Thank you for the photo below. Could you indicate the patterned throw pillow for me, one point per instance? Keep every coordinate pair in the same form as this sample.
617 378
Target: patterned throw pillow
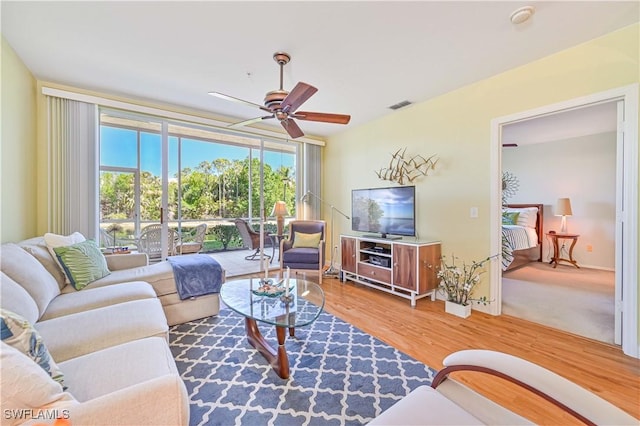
83 263
19 333
306 240
510 218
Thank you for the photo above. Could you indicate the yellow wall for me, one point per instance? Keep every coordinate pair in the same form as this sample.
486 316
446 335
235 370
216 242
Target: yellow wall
456 127
18 207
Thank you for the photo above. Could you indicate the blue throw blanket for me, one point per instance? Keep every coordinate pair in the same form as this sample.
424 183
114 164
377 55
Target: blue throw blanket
196 275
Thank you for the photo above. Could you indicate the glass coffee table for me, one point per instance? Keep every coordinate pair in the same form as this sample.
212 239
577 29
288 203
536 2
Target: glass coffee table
307 301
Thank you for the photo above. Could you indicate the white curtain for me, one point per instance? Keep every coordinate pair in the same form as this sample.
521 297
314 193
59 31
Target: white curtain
312 178
73 167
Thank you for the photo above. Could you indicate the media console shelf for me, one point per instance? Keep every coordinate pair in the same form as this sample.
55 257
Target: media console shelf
405 268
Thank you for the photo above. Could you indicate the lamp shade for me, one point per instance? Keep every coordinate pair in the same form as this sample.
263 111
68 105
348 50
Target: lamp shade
563 207
279 209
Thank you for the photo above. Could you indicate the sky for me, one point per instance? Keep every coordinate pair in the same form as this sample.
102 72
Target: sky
118 148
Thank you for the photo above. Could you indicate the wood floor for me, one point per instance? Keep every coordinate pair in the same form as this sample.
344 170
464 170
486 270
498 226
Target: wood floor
428 334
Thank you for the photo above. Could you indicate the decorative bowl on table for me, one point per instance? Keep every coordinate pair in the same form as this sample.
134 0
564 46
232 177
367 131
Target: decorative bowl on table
269 289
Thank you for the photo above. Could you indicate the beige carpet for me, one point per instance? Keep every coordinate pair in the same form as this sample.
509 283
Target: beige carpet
580 301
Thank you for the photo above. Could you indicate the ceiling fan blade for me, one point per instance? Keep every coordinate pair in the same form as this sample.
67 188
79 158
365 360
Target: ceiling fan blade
249 121
297 97
238 100
321 116
292 128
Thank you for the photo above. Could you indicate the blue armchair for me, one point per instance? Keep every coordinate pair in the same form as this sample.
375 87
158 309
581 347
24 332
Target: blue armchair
304 249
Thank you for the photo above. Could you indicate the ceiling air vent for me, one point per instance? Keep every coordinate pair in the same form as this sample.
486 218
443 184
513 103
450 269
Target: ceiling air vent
400 105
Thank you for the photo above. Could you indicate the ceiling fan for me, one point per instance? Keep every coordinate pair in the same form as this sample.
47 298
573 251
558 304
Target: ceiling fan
283 105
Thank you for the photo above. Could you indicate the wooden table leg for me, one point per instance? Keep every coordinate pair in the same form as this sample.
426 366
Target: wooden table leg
278 359
573 262
556 252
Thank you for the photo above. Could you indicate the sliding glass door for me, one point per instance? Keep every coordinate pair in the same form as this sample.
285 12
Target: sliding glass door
181 175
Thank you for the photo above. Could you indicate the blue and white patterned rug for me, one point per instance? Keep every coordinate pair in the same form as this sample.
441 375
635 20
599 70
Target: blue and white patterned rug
339 374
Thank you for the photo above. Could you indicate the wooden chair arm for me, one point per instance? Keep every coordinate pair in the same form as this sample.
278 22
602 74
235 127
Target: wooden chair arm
573 399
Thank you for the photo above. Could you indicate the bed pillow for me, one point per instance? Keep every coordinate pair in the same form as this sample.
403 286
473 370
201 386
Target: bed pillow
19 333
510 218
306 240
527 216
83 263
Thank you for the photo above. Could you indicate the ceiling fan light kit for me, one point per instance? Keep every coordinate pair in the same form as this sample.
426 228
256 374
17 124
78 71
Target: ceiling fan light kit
283 105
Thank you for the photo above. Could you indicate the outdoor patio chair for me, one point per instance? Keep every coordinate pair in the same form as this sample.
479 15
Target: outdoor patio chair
251 239
150 242
106 239
192 242
304 249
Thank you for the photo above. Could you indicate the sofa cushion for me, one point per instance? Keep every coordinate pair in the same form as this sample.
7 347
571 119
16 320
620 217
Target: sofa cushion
16 299
120 366
24 269
37 248
87 299
78 334
20 334
82 262
27 386
54 240
159 275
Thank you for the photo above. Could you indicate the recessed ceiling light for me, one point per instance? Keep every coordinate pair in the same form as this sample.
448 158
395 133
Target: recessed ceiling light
522 14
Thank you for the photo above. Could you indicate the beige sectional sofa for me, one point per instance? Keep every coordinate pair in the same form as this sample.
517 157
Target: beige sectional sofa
134 267
110 340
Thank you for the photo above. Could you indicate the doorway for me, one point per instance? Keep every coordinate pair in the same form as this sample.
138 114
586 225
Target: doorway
570 157
626 201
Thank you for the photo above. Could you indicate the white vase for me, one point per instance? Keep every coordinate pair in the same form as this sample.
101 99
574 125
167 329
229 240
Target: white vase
462 311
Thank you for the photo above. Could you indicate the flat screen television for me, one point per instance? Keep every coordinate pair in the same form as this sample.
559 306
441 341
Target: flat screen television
387 211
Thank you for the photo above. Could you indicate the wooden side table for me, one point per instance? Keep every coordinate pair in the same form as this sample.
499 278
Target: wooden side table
556 250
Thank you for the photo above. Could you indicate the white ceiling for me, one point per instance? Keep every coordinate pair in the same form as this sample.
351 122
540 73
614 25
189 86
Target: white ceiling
584 121
362 56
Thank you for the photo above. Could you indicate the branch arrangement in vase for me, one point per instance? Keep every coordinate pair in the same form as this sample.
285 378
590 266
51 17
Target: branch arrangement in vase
458 281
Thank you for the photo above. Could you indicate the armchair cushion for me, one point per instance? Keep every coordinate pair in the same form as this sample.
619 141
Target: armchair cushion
306 240
300 256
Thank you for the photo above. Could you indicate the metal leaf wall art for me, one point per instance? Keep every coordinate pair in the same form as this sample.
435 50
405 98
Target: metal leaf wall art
404 169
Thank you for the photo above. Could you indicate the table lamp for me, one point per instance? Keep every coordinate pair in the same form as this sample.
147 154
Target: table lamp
563 208
280 211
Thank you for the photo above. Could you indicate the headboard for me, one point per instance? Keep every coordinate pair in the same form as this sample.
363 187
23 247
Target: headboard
539 221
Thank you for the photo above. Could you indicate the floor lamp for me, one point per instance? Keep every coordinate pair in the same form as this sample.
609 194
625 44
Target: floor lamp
331 271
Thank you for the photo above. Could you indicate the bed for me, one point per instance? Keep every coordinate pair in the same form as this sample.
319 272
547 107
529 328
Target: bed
521 235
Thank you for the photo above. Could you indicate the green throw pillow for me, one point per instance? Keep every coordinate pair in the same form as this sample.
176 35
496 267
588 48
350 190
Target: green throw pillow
510 218
306 240
19 333
82 262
